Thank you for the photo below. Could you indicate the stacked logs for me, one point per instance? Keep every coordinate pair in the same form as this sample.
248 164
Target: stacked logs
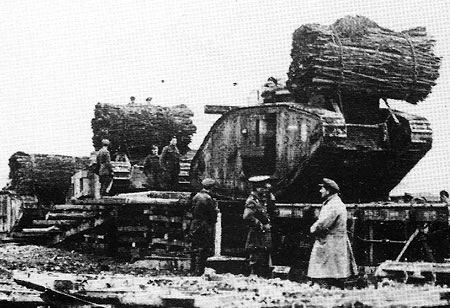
134 129
355 56
48 177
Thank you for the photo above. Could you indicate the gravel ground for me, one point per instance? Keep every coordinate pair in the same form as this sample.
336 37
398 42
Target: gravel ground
39 258
227 290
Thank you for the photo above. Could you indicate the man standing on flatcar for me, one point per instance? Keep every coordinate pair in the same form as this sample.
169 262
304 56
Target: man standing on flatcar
105 167
170 163
152 169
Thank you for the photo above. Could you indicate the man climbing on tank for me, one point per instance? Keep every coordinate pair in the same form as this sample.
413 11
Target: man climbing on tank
105 168
170 164
259 239
331 260
204 217
152 169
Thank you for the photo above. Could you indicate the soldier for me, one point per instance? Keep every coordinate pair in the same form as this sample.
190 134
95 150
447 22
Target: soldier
132 99
331 260
152 169
444 197
121 155
269 198
170 164
204 217
442 242
105 168
259 239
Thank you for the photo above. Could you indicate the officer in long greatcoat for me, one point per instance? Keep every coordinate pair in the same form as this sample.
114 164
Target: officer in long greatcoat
331 260
259 239
204 217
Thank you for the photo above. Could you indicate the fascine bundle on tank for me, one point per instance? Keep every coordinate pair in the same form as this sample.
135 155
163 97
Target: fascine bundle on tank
356 56
134 129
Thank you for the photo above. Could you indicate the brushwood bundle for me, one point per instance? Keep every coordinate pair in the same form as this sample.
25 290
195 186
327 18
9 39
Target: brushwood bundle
134 129
358 57
48 177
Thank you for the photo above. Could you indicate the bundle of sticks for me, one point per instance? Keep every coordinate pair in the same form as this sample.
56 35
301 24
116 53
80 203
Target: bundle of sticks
48 177
134 129
356 56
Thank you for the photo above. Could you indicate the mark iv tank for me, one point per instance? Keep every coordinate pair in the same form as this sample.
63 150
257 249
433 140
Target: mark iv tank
366 149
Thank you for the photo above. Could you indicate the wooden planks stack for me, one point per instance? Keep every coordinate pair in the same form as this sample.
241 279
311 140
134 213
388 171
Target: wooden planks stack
153 223
132 234
46 176
358 57
134 129
140 224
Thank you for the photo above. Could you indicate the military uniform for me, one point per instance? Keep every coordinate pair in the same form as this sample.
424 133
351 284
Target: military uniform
259 239
272 211
105 172
152 169
204 217
170 162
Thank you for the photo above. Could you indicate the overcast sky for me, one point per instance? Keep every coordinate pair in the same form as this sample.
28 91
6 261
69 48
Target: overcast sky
59 58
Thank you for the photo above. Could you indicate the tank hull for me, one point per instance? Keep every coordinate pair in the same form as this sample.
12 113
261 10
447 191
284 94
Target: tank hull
298 145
